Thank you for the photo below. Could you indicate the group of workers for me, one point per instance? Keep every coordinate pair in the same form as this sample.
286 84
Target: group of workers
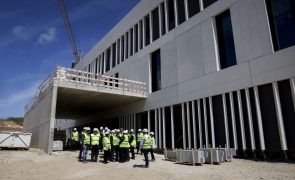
116 144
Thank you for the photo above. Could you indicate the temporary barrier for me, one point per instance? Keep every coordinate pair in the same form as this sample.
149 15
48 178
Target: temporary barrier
57 145
15 140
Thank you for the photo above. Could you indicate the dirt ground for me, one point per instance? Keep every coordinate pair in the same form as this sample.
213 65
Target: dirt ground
34 164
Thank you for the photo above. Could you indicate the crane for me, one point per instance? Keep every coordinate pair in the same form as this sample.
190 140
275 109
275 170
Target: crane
76 52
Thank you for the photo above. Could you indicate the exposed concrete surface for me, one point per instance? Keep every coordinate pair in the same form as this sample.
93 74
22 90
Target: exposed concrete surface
35 164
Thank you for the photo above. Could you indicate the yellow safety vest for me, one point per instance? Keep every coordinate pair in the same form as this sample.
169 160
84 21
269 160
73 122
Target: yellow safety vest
147 144
75 136
106 143
95 139
116 140
125 143
86 138
133 143
139 136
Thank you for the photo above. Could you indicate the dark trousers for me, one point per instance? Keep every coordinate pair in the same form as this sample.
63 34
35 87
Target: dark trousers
94 153
137 147
81 150
152 154
106 156
132 152
146 157
116 151
124 154
75 145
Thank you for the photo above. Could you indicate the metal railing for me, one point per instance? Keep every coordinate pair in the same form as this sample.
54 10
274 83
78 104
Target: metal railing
122 85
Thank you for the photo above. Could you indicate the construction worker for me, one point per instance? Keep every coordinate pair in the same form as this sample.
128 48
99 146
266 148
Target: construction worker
124 147
116 140
101 130
132 142
139 137
81 143
75 139
153 145
145 146
86 144
106 147
112 145
95 136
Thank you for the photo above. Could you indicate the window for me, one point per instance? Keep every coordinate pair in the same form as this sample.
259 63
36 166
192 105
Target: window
281 14
147 29
96 65
156 71
193 7
136 38
117 81
118 51
127 45
171 15
108 59
163 15
114 52
122 49
140 34
180 11
156 29
207 3
131 41
102 65
225 38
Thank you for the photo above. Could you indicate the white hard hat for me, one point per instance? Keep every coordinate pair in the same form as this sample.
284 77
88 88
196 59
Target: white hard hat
95 129
106 128
125 132
117 130
145 130
113 131
139 130
131 130
88 129
101 127
75 129
106 133
152 133
84 128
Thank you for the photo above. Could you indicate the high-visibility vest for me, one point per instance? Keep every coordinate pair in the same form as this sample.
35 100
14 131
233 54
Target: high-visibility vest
153 142
86 138
139 136
147 144
95 139
106 143
75 136
116 140
133 143
125 143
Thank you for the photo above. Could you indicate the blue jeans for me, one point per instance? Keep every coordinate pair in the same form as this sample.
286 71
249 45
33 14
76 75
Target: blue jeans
85 151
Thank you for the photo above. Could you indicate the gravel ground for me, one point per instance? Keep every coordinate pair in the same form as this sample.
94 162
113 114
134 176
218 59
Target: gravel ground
34 164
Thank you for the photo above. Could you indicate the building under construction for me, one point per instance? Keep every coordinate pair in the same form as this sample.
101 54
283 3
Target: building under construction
196 72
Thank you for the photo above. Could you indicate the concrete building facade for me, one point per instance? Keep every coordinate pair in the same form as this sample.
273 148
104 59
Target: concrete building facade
217 73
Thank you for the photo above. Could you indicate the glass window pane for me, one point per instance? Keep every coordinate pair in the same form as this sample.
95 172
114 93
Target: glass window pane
163 19
122 48
127 44
193 7
171 15
140 34
108 59
207 3
156 29
136 38
131 42
180 11
114 55
156 71
147 30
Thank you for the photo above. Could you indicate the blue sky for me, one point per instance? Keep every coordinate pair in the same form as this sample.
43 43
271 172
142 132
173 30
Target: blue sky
33 41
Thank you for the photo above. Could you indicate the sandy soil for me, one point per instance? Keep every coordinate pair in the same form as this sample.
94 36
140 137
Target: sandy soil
34 164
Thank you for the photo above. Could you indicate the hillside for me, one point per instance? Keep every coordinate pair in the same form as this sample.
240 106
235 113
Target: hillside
11 124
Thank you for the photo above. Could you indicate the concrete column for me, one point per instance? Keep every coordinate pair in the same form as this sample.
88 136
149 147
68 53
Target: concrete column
212 122
52 119
176 12
121 46
259 119
186 9
200 123
134 122
183 126
225 120
232 108
172 126
194 125
156 127
125 46
160 128
292 84
160 20
133 50
206 124
166 16
118 52
111 57
149 120
164 127
104 60
250 121
138 34
201 5
279 116
151 28
241 120
129 42
188 125
143 32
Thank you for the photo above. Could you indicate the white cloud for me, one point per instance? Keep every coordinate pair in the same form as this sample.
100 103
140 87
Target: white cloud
48 36
21 32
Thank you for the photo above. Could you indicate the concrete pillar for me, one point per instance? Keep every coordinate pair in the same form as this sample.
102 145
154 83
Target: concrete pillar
149 120
176 12
225 120
160 20
151 28
201 5
172 127
183 125
259 119
188 125
121 50
241 120
212 122
164 127
194 125
205 121
250 121
111 57
156 127
104 60
143 32
134 122
292 84
200 123
133 50
166 16
233 117
186 9
160 128
125 46
279 116
52 119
